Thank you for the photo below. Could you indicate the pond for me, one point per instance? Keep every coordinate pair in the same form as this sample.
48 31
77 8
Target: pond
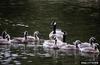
31 15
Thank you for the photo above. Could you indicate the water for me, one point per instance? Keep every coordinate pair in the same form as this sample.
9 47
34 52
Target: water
20 56
30 15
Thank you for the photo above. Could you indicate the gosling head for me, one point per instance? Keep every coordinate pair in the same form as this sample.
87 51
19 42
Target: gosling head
92 40
36 33
77 42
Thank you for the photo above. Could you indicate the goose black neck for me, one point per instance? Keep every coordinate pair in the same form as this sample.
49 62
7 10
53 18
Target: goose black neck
64 37
25 34
54 29
55 41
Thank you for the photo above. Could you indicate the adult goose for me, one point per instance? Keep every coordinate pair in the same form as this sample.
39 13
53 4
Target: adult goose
56 32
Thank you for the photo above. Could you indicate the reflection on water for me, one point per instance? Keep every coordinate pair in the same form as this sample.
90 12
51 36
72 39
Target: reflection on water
21 55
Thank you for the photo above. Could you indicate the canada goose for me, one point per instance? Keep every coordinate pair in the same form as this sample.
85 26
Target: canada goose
56 32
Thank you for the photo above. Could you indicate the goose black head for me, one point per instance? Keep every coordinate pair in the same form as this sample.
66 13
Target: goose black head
52 22
92 40
25 34
4 33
